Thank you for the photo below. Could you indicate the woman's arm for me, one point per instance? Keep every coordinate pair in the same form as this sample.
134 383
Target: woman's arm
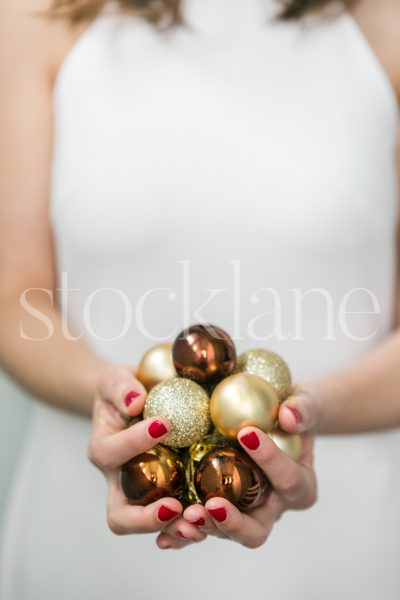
61 372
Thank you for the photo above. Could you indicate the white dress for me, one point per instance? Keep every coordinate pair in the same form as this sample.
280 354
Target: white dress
250 158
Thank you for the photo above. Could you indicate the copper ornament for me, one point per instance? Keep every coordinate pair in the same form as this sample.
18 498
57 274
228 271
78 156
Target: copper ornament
204 353
268 365
243 400
156 365
229 473
152 475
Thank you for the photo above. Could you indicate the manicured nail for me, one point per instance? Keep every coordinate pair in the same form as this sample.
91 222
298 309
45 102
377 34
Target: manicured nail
219 514
130 396
180 534
250 440
157 429
166 514
295 413
200 522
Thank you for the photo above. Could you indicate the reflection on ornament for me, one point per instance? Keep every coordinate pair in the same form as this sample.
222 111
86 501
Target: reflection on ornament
229 473
156 365
290 443
268 365
185 404
152 475
243 400
204 353
195 454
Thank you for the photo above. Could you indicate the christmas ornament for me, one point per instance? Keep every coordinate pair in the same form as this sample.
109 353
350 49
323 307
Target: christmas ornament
152 475
241 400
185 404
204 353
268 365
231 474
195 454
156 365
290 443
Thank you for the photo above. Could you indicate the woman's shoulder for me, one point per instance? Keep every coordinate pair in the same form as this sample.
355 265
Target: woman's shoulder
380 22
31 41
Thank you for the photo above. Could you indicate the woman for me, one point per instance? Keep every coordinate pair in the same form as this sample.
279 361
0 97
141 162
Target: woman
239 168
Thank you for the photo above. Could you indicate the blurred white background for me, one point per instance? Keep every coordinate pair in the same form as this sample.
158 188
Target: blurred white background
15 411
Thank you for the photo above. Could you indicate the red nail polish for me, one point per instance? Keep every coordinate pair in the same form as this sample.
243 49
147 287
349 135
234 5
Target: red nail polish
219 514
250 440
130 396
200 522
180 534
165 513
157 429
295 413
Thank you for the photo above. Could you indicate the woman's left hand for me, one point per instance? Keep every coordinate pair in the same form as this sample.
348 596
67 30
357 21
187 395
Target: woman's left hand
294 488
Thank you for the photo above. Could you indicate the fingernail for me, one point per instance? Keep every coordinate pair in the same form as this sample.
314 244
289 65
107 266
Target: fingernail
295 413
165 513
219 514
130 396
200 522
157 429
250 440
180 534
166 547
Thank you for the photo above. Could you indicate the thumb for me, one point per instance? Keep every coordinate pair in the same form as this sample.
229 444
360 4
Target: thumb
299 412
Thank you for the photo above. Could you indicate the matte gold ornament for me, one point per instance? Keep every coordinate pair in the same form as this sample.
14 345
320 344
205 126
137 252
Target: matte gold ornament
268 365
204 353
290 443
229 473
152 475
243 400
185 404
156 365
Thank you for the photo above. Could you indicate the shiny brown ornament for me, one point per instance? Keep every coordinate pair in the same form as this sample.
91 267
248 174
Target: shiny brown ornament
290 443
243 400
185 404
156 365
193 456
268 365
152 475
204 353
229 473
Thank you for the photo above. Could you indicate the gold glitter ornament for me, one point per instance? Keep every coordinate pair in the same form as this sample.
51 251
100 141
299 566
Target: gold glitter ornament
289 443
243 400
156 365
268 365
185 404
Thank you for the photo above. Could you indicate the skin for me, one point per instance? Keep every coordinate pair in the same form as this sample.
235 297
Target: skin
69 375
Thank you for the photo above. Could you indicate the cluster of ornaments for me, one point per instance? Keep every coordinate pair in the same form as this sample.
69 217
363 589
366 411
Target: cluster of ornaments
208 394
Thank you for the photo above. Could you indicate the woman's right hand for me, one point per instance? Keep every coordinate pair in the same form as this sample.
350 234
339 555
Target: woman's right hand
113 442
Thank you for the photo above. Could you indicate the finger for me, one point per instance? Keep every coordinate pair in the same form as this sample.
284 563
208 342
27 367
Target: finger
238 526
299 412
291 480
197 515
166 542
124 519
119 386
180 528
109 450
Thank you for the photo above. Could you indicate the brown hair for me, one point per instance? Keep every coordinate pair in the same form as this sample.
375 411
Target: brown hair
167 13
